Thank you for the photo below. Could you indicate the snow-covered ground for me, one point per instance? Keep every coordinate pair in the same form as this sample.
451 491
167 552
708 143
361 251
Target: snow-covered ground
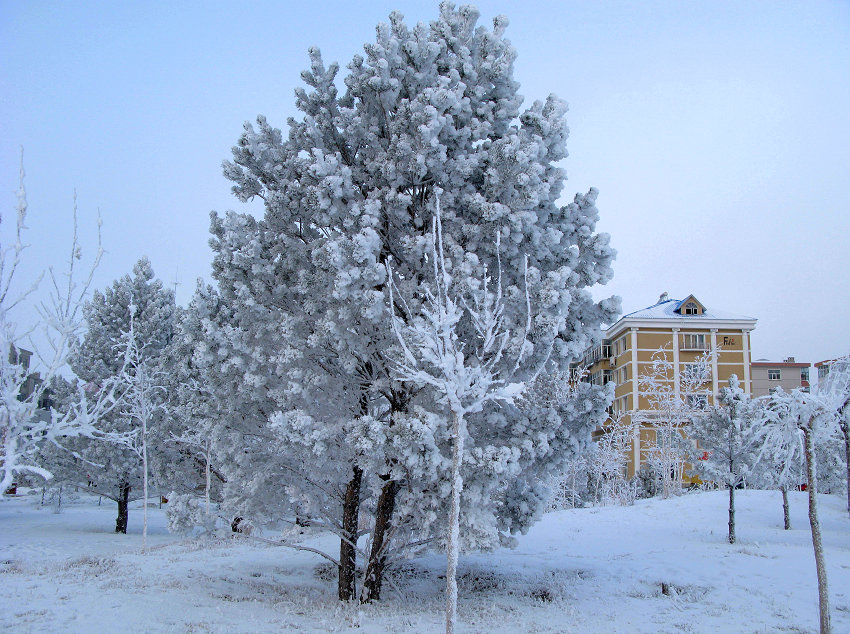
585 570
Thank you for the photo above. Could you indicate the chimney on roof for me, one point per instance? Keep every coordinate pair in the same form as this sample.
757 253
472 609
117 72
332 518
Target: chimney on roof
663 297
789 360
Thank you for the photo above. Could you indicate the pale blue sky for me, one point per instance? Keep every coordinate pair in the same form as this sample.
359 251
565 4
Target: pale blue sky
717 133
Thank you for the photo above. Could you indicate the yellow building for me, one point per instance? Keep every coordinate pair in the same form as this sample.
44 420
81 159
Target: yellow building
682 335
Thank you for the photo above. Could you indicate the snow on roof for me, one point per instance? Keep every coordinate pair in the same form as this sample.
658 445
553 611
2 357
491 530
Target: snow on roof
763 363
666 310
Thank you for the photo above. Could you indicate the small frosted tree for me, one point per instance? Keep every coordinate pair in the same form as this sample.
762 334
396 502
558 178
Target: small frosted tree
466 374
185 437
727 437
98 359
781 461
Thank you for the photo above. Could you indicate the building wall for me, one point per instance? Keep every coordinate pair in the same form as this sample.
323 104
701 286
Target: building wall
791 377
628 363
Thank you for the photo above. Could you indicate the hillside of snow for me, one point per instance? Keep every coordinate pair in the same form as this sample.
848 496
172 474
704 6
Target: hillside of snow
584 570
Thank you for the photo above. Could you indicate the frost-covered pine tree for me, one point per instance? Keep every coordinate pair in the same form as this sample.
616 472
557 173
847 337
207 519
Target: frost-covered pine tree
727 437
185 461
780 460
352 184
99 359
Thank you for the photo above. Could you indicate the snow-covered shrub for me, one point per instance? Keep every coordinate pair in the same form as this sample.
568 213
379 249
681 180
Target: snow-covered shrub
186 513
570 489
606 464
649 481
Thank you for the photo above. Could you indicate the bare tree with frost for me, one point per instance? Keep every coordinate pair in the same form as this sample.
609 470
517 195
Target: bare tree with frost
606 463
142 401
466 374
25 424
673 403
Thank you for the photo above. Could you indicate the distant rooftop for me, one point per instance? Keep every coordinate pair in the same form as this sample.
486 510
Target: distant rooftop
764 363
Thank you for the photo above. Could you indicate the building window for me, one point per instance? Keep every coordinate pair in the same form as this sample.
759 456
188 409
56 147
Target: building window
696 372
697 401
621 404
694 342
691 309
774 375
601 377
804 375
619 346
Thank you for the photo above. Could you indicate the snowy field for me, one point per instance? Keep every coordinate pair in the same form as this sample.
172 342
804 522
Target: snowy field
586 570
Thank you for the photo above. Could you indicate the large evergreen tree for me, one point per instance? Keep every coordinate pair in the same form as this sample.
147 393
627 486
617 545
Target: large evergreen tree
307 343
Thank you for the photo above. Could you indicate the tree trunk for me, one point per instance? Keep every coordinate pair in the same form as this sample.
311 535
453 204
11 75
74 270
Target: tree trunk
817 542
846 429
378 555
145 486
452 546
123 502
785 510
207 480
731 514
347 544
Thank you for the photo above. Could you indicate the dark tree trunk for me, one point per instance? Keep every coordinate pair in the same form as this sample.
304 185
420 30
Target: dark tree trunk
378 555
846 430
731 514
123 503
347 544
785 510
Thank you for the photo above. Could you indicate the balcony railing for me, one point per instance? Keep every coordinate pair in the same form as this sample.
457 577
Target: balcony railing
694 342
597 354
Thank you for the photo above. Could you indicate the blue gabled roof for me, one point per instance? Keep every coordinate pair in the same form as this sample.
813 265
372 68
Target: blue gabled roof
668 309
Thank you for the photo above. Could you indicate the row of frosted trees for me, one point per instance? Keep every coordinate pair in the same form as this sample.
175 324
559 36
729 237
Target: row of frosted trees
778 441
